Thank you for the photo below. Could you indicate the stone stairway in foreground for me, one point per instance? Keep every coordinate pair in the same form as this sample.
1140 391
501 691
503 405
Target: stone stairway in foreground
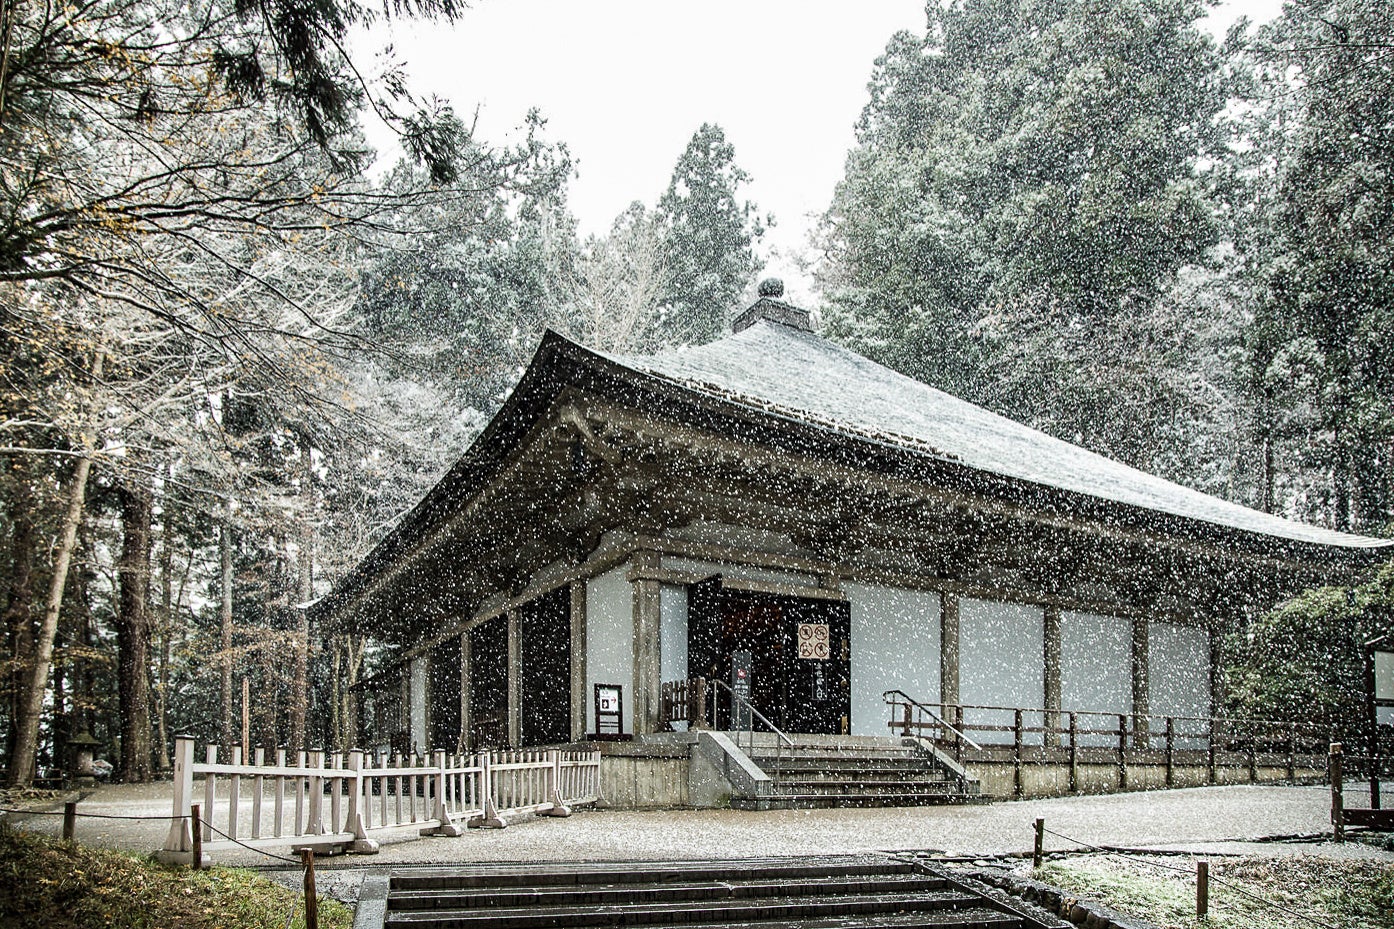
846 771
779 893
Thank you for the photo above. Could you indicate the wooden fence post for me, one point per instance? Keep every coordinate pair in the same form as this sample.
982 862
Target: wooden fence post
356 807
489 815
442 813
179 840
307 856
1074 751
234 794
1018 788
1338 800
1122 751
559 807
210 793
69 821
1171 749
196 861
1039 853
1212 750
1202 889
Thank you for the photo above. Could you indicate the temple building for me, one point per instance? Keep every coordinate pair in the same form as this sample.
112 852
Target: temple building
780 514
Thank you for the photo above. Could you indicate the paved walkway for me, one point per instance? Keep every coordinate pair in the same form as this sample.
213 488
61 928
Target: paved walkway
1212 820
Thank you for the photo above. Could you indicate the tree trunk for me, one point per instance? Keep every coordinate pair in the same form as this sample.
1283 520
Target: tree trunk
225 630
19 604
27 742
300 687
162 761
133 635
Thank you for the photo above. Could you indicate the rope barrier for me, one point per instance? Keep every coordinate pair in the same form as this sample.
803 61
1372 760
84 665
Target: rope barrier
22 812
1187 871
294 861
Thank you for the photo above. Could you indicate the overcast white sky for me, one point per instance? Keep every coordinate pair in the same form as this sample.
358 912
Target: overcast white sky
625 83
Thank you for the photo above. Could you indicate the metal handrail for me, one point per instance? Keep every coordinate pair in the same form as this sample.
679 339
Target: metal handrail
750 741
885 697
753 712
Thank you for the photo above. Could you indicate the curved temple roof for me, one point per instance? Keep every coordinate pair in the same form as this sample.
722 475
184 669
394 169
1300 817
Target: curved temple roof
785 376
796 374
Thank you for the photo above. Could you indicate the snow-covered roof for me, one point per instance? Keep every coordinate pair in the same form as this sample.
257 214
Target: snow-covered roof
790 373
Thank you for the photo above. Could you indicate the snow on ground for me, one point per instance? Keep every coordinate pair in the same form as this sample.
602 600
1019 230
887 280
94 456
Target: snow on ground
1215 820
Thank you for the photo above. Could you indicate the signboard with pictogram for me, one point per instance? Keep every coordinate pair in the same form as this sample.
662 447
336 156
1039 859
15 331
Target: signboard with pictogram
814 641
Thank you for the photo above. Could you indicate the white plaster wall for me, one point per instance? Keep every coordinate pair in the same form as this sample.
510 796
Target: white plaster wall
418 705
610 640
1001 662
895 646
1096 669
672 632
1178 674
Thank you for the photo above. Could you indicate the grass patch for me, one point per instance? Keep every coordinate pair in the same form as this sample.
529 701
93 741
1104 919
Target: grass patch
1351 894
62 885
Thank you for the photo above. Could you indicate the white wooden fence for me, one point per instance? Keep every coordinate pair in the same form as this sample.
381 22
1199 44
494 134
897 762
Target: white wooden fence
318 799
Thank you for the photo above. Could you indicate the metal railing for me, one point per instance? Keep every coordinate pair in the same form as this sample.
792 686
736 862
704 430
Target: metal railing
1059 736
686 701
924 717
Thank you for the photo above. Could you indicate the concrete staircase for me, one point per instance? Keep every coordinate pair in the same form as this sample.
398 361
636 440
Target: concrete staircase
851 771
812 893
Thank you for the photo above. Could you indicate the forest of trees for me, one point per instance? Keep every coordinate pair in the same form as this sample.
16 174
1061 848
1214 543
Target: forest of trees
232 355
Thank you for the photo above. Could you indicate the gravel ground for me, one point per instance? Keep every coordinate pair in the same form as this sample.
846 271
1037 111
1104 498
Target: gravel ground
1215 820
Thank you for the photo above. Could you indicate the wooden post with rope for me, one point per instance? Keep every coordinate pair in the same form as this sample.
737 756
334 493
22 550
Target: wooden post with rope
307 857
196 818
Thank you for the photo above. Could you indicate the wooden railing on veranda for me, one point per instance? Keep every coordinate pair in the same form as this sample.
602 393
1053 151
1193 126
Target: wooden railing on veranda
346 798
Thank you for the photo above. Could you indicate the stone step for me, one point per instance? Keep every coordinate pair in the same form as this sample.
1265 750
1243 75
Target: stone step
683 913
862 786
642 872
630 894
808 801
852 772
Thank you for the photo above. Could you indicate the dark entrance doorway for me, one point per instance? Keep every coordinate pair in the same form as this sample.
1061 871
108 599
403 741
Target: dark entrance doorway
545 626
488 684
443 691
800 653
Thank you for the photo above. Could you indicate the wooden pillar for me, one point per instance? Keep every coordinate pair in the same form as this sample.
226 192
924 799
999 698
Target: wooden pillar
647 649
1051 636
1140 687
578 660
466 653
515 679
948 649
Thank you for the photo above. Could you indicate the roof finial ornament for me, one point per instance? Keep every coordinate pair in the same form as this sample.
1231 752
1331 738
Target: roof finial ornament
772 308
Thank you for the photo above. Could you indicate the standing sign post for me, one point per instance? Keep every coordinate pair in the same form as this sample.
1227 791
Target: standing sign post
609 711
740 686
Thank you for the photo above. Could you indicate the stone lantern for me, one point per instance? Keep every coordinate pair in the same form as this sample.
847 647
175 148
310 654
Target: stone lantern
83 747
